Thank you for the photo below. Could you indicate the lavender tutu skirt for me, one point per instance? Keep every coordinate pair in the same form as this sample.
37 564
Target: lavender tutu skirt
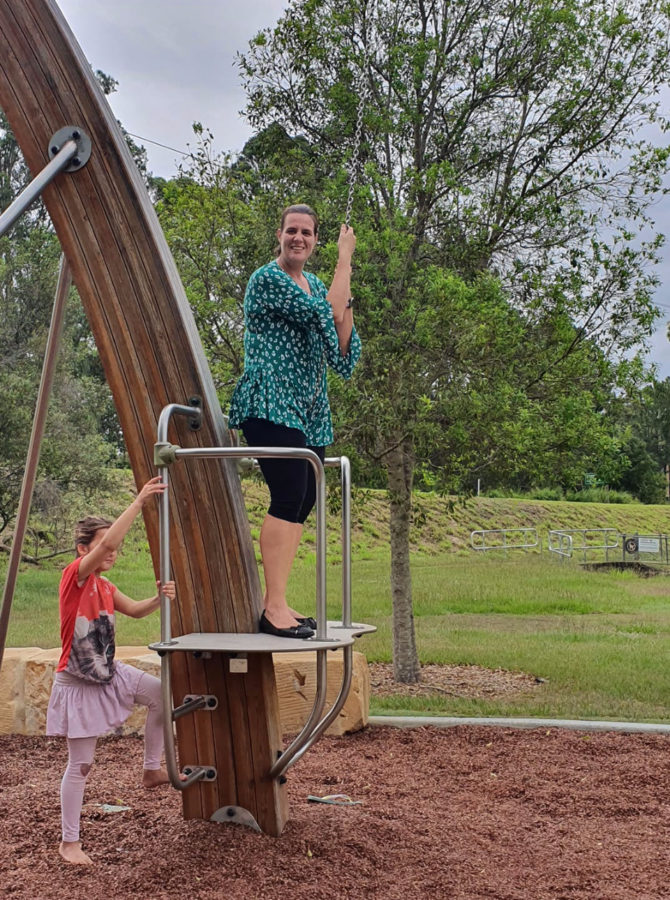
83 709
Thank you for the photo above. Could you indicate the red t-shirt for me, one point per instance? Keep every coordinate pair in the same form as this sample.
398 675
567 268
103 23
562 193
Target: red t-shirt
86 625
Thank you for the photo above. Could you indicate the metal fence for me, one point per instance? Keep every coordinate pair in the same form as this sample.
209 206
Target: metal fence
583 544
645 548
566 542
506 539
560 543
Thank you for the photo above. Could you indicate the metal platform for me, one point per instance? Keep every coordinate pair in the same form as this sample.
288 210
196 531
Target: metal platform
236 648
221 642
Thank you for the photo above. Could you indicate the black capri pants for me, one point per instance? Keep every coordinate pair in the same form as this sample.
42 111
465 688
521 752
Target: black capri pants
291 481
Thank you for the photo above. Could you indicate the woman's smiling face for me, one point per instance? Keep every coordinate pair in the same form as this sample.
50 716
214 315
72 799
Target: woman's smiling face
297 239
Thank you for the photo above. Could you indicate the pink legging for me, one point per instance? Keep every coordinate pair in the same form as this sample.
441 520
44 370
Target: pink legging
82 750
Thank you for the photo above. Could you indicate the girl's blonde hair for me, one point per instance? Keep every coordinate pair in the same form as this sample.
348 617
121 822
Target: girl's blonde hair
86 529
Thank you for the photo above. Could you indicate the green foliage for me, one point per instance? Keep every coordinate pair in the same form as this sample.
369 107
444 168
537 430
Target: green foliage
499 143
74 455
219 233
598 495
642 477
546 494
534 493
643 419
472 181
647 413
583 495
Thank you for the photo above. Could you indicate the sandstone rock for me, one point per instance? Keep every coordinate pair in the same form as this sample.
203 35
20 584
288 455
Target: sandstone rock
27 674
12 689
296 686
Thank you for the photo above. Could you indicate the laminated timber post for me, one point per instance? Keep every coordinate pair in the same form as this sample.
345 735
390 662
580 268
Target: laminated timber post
152 356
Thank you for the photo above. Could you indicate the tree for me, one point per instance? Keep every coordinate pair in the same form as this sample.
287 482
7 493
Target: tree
649 417
500 136
643 418
642 476
74 455
209 218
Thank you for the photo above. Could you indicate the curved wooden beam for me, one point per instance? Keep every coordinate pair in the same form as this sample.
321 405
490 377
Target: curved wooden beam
152 356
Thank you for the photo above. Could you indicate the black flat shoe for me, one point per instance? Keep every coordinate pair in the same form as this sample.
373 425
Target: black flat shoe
308 621
296 631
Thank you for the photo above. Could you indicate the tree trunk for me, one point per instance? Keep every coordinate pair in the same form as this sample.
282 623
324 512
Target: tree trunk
400 469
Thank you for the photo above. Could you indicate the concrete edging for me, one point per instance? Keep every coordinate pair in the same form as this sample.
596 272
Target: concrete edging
571 724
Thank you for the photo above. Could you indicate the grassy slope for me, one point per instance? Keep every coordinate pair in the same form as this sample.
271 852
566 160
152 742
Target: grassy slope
443 524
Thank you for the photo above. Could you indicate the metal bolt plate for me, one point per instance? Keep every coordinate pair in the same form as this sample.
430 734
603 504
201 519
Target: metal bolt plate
82 140
208 772
211 702
236 814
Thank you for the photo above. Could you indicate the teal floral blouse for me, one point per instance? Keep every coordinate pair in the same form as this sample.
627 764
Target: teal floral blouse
289 338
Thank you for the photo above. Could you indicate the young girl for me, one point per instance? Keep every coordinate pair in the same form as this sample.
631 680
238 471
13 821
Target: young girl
92 694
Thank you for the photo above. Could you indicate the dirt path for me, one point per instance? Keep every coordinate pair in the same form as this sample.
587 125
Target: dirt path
456 814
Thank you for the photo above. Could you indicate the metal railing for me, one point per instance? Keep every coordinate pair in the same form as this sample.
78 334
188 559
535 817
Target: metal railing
508 539
316 724
583 540
560 543
645 548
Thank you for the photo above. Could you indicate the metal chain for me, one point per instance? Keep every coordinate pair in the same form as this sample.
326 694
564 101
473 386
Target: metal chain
353 173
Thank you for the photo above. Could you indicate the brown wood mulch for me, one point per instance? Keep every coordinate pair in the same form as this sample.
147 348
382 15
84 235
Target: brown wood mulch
452 681
457 814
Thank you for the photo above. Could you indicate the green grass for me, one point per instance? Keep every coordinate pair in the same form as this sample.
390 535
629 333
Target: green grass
600 640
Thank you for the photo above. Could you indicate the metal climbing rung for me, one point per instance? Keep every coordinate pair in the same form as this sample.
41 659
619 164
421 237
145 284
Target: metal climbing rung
329 635
192 703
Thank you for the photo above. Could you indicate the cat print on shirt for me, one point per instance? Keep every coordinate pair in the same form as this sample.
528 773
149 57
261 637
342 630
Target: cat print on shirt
87 626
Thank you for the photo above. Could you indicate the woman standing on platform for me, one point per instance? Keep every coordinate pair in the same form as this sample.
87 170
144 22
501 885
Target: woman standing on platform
294 328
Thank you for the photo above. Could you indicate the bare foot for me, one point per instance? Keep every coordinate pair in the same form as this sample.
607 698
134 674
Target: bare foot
151 778
71 852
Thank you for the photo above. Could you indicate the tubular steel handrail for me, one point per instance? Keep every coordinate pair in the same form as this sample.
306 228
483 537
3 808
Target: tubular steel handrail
165 454
524 545
345 483
178 782
170 451
563 547
585 546
347 652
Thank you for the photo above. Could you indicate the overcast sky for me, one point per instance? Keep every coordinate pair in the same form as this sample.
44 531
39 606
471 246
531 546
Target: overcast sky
175 61
175 64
